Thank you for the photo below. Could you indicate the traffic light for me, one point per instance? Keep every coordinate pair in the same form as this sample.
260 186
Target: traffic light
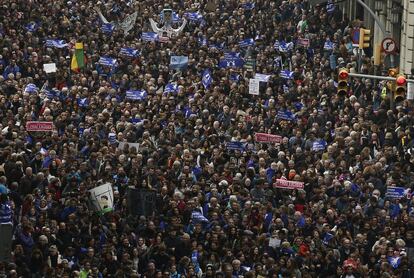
400 87
364 38
343 77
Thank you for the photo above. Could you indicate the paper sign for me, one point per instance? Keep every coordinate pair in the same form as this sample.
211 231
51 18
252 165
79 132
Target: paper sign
267 138
102 197
254 86
39 126
274 242
49 68
285 184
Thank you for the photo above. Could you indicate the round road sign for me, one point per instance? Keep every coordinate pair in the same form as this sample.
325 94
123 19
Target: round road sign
388 45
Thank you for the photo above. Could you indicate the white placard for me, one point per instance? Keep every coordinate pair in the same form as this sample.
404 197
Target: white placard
102 197
49 68
410 90
254 86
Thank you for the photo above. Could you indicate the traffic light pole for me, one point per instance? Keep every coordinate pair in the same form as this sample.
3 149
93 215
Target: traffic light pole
376 18
359 75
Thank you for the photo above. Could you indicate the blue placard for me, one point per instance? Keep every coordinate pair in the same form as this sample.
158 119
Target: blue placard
236 145
396 192
178 62
319 145
286 115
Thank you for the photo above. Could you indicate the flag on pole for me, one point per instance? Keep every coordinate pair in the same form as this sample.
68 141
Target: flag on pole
78 58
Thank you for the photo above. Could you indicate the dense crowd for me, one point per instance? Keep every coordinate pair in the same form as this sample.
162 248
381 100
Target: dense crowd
217 212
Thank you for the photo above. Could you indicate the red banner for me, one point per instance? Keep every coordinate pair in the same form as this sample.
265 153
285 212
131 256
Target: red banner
285 184
267 138
39 126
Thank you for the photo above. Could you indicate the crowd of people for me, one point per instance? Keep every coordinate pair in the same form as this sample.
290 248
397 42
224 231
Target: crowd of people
190 140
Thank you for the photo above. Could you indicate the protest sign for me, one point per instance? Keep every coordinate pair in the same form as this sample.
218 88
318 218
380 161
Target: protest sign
49 68
285 184
102 198
254 86
319 145
235 145
39 126
267 138
398 192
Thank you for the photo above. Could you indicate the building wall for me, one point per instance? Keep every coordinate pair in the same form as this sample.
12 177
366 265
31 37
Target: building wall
407 38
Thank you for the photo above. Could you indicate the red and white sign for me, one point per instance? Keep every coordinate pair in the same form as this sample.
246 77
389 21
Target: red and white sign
39 126
164 39
267 138
388 45
285 184
303 42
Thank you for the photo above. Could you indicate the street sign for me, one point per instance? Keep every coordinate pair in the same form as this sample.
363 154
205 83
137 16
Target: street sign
388 45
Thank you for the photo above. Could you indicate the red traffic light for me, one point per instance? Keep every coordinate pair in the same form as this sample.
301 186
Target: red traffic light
401 80
343 74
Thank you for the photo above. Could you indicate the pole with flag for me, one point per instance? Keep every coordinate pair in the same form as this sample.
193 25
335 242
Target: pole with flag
78 58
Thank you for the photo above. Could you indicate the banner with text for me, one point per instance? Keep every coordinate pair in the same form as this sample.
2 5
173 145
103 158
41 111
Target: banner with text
267 138
39 126
285 184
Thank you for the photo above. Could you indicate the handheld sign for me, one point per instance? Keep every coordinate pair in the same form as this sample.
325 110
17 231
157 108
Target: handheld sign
102 198
285 184
397 192
254 86
39 126
267 138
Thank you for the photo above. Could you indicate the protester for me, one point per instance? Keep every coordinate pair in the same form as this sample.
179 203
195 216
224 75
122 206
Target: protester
176 119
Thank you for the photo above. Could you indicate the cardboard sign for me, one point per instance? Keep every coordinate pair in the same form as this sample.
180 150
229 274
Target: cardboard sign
49 68
39 126
254 86
267 138
285 184
102 197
